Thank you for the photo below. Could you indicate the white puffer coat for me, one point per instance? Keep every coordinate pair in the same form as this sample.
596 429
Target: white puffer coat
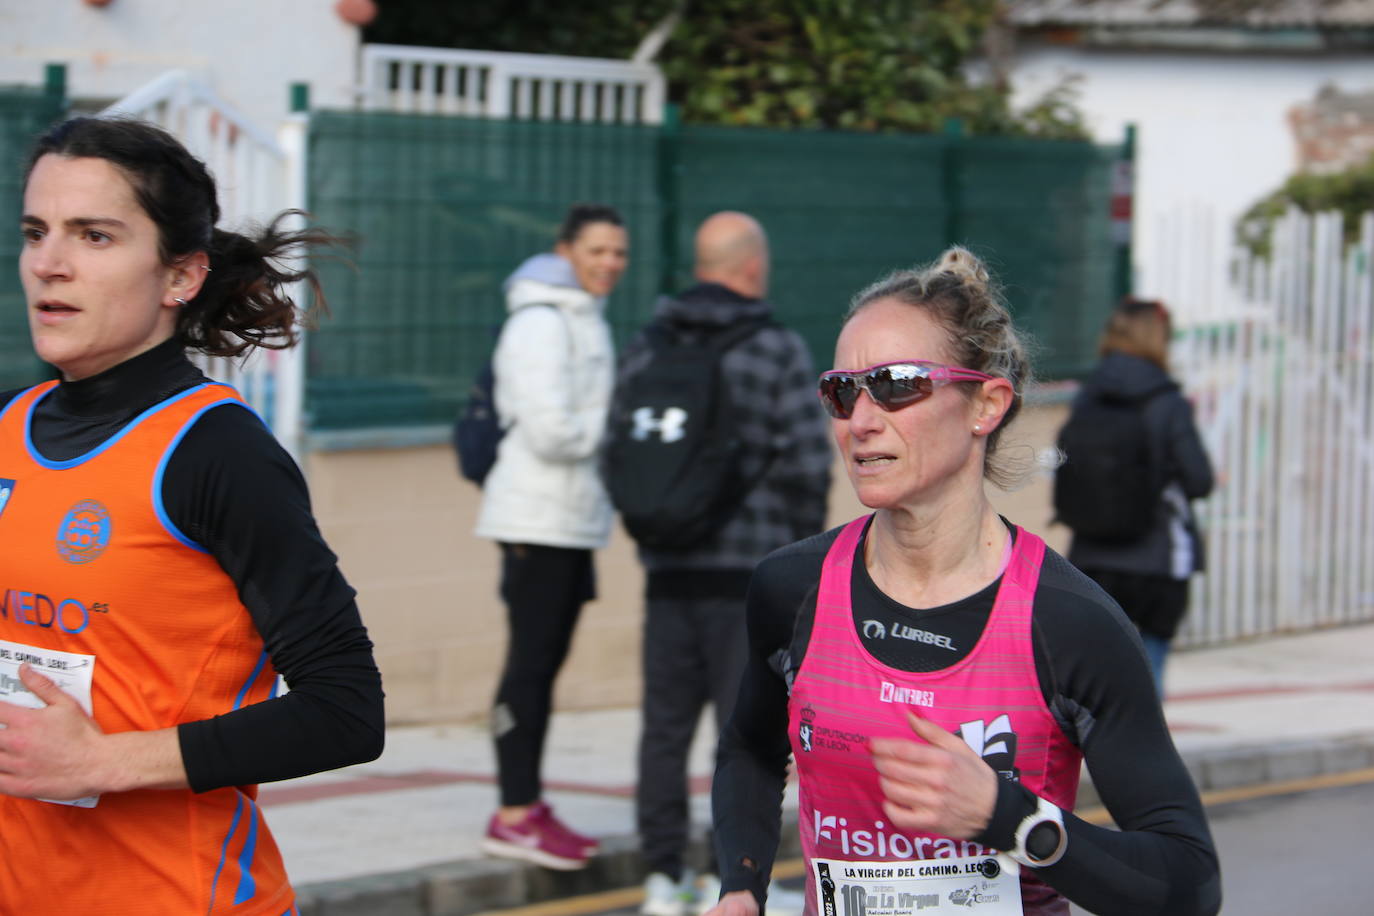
554 371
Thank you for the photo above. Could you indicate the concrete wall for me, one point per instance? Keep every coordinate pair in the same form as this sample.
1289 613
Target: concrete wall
248 51
1214 132
401 521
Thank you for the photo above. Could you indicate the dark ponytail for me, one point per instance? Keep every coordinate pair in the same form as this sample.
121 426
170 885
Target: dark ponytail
244 301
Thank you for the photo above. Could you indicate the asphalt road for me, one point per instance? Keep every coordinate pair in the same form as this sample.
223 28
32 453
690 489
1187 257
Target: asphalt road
1297 848
1304 852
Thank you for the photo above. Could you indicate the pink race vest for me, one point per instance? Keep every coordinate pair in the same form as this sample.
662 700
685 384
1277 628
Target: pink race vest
842 697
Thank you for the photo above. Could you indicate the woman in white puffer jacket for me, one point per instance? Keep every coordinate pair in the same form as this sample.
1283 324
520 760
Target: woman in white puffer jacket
544 504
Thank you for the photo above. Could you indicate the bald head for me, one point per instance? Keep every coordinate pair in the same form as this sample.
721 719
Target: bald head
732 250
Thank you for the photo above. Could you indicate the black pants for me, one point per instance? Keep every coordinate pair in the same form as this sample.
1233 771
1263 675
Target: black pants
694 652
544 589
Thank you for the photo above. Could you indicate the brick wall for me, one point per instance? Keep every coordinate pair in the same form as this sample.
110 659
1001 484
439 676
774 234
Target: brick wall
1335 131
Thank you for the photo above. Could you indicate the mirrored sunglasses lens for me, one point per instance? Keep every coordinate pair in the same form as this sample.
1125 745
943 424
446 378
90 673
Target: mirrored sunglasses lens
897 386
838 394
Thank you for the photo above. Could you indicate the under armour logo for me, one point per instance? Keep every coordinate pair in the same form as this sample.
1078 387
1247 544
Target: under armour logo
669 428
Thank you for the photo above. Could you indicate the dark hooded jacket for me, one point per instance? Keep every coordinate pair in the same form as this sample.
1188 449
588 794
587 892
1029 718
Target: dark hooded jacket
1172 547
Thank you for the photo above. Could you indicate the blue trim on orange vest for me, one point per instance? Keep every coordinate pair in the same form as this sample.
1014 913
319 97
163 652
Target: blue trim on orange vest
247 885
224 851
15 400
158 507
257 669
104 446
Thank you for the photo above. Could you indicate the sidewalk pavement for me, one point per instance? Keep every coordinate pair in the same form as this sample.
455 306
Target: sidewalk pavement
399 836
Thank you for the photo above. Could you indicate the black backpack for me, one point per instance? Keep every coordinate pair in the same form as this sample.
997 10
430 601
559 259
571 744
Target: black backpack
1110 483
477 429
672 450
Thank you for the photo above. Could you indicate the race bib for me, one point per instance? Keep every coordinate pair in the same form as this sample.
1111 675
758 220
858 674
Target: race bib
67 670
988 884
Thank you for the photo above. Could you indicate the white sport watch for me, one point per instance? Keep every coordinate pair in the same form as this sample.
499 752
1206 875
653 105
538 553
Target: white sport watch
1040 838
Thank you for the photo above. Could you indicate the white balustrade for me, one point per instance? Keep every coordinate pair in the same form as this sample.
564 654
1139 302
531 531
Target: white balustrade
544 87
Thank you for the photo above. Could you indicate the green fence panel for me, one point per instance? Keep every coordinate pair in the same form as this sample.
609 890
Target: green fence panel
443 209
1038 212
24 113
840 210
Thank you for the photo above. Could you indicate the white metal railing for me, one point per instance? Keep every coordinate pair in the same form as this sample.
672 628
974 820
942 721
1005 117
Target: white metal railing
258 175
544 87
1283 382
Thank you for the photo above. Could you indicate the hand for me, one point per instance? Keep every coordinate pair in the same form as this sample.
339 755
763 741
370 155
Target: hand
936 785
735 903
51 752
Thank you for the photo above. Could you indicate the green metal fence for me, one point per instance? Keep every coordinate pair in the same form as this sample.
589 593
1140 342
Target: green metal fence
445 207
840 210
24 113
1038 211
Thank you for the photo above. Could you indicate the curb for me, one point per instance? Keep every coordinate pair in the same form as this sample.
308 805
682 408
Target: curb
1239 766
477 885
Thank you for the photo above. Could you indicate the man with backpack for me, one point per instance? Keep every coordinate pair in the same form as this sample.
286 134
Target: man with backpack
717 453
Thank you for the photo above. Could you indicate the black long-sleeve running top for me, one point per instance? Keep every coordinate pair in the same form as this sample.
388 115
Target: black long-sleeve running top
1095 681
234 490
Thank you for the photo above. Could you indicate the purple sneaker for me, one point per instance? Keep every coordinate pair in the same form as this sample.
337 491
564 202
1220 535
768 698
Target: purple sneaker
533 840
543 813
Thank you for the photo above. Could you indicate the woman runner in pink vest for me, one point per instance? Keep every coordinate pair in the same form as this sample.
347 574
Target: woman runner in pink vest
937 674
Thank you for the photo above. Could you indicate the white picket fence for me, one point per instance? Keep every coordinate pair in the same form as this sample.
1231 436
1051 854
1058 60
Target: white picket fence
258 175
1277 357
544 87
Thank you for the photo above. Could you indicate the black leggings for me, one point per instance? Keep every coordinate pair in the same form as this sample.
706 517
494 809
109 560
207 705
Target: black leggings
544 589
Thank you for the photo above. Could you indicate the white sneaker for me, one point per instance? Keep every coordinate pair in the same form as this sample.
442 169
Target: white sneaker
707 893
783 901
664 897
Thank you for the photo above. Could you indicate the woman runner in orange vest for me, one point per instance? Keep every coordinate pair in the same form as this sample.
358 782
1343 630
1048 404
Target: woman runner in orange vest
161 565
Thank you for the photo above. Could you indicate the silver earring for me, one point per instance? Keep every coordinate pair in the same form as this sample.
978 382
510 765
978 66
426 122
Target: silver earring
204 268
179 301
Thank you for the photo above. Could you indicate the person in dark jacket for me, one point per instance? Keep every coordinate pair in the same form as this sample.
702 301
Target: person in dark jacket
1149 576
694 634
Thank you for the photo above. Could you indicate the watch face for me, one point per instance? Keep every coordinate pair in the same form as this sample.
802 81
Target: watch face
1043 840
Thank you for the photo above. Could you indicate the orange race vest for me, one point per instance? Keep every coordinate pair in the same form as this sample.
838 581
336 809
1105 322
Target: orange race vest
91 565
